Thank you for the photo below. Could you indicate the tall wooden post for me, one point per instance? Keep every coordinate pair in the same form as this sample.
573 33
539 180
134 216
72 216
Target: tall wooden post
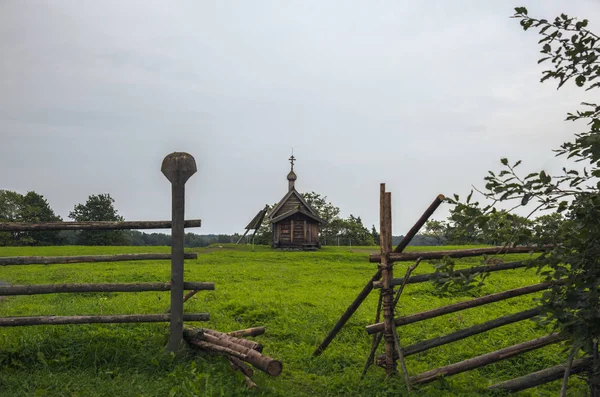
178 168
387 292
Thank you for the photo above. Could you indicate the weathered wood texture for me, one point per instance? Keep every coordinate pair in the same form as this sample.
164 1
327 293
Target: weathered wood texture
411 256
413 318
485 359
177 167
466 332
215 344
255 331
37 289
250 344
98 225
362 295
387 293
421 278
122 318
543 376
50 260
245 370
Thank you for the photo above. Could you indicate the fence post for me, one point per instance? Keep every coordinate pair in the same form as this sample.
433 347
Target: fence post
386 268
178 167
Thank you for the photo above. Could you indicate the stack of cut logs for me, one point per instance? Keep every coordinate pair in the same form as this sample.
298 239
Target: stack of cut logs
239 351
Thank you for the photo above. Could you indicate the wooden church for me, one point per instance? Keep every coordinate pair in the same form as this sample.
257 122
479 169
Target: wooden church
294 222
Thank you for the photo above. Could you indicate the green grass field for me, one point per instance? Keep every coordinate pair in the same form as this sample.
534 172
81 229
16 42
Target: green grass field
298 296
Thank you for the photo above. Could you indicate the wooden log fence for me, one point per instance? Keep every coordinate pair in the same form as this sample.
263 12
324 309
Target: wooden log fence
92 225
117 319
455 307
177 167
421 278
362 295
485 359
543 376
393 348
51 260
37 289
412 256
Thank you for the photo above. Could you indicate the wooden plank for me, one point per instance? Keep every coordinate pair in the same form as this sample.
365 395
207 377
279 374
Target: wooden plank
292 231
421 278
543 376
96 225
485 359
50 260
118 319
38 289
455 307
411 256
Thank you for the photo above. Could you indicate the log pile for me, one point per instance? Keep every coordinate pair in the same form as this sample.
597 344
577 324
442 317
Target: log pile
238 350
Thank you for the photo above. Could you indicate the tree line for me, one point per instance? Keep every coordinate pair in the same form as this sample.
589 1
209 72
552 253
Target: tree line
471 225
34 208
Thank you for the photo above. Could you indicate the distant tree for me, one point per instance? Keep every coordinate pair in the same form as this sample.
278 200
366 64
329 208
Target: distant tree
35 209
326 211
437 231
10 211
547 228
98 208
352 231
375 235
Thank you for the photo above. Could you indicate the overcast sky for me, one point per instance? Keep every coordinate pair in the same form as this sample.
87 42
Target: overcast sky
425 96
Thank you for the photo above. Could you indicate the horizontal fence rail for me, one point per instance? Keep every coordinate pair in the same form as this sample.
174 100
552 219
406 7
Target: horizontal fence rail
485 359
470 331
116 319
51 260
98 225
543 376
412 256
455 307
11 290
421 278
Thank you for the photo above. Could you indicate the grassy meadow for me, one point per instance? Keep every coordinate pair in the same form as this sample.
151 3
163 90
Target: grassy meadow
298 296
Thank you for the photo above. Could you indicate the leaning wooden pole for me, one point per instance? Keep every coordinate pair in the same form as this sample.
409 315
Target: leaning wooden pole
419 224
376 277
387 293
178 168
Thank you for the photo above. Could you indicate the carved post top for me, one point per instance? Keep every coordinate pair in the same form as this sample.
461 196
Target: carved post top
178 167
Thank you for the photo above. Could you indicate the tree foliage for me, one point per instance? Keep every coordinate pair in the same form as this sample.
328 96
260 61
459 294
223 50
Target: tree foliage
573 305
98 208
31 207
